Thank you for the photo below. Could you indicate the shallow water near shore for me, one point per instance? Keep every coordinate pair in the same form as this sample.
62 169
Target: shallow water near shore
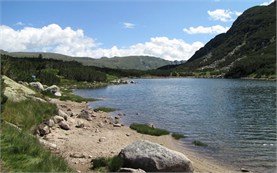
236 118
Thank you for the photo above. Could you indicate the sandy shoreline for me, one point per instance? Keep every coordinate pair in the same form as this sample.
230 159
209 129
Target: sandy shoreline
99 138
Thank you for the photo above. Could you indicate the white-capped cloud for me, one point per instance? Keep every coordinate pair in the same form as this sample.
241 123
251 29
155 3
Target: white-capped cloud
216 29
128 25
53 38
267 3
223 15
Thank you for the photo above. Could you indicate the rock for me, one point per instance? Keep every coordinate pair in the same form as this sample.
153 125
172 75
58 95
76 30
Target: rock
102 139
97 131
43 129
37 85
131 170
80 124
58 119
151 125
116 117
117 125
244 170
77 155
52 89
153 157
85 115
49 122
132 81
58 94
68 109
64 125
78 171
63 114
120 114
100 124
128 134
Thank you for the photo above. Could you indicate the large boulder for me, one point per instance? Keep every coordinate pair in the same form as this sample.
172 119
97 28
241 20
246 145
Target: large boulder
53 89
152 157
37 85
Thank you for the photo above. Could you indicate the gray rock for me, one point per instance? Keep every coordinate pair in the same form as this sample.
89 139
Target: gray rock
77 155
85 115
102 139
153 157
49 122
80 124
53 89
64 125
58 118
37 85
58 94
43 129
63 114
131 170
117 125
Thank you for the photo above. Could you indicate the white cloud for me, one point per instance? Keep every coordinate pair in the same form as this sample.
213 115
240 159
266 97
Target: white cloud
216 29
169 49
20 23
53 38
267 3
129 25
223 15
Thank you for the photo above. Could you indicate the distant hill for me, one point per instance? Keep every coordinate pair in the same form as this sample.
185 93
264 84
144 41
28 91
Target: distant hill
247 49
128 62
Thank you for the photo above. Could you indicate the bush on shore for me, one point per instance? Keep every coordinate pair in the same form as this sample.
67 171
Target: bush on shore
146 129
199 143
110 164
178 136
104 109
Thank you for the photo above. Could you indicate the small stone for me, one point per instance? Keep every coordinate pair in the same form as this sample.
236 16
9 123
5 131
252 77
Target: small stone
90 156
58 94
78 171
116 117
68 109
117 125
77 155
244 170
97 131
80 124
100 124
102 139
128 134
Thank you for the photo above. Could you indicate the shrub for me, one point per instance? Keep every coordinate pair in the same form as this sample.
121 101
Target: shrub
199 143
104 109
178 135
111 164
146 129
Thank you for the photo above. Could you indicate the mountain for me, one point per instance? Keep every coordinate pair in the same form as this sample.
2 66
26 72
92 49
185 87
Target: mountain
128 62
247 49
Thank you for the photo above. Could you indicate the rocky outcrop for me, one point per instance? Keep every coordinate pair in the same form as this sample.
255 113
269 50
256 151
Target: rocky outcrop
53 89
153 157
37 85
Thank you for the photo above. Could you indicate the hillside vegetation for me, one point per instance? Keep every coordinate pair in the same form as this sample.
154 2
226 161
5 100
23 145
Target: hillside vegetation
128 62
248 49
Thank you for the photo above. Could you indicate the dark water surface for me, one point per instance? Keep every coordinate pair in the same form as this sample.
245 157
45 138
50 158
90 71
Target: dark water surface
236 118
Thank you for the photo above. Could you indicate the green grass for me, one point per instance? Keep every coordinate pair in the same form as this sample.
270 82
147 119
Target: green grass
21 152
178 136
68 95
104 109
199 143
145 129
111 164
27 114
72 84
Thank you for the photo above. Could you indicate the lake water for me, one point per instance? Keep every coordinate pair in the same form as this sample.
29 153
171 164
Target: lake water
236 118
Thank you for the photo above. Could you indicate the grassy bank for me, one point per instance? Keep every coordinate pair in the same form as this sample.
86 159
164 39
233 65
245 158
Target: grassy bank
27 114
21 152
105 109
146 129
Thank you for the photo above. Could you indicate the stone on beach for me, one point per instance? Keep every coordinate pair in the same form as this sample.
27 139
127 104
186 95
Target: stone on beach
43 129
153 157
85 114
64 125
49 122
131 170
80 124
58 118
117 125
77 155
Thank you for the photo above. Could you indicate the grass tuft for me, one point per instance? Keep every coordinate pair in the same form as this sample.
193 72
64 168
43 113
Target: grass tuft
145 129
178 136
199 143
104 109
111 164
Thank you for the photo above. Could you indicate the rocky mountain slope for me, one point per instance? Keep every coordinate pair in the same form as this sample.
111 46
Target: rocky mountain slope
248 48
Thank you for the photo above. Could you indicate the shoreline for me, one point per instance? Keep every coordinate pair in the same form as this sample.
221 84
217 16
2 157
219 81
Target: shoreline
87 141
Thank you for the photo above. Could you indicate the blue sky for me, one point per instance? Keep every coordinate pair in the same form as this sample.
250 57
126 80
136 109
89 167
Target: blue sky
103 22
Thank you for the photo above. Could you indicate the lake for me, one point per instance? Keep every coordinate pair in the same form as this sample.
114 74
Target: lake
236 118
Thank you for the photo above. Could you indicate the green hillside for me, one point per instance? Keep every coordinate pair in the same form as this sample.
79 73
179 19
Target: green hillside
248 49
129 62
